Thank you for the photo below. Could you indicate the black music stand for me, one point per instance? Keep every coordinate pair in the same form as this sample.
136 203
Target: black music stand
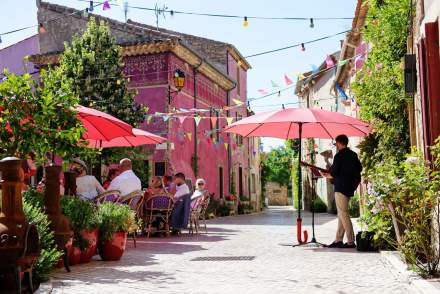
316 174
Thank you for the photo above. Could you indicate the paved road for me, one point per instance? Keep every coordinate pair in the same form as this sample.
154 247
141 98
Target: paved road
243 254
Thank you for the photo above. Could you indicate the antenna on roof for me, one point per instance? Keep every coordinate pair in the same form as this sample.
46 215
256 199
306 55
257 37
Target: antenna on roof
158 12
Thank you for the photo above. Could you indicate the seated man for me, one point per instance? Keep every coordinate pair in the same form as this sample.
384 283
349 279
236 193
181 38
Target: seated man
127 181
181 186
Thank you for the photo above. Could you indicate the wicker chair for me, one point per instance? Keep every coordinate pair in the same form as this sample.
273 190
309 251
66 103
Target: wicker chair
112 196
198 211
134 200
159 208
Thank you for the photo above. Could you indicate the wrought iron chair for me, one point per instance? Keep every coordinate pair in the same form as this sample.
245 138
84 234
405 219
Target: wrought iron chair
112 196
134 200
158 208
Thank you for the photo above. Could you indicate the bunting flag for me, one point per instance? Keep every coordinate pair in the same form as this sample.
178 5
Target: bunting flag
105 5
342 62
213 121
263 92
315 69
329 62
301 76
274 85
120 2
341 91
149 118
165 118
229 120
237 102
181 119
189 136
147 109
226 146
287 80
197 119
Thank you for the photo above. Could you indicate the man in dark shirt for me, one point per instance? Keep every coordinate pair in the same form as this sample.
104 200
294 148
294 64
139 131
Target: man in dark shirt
346 174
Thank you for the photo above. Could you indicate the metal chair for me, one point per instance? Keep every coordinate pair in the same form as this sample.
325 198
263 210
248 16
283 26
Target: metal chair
134 200
112 196
158 208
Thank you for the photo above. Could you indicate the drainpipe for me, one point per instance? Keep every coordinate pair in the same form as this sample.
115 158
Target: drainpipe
196 164
228 98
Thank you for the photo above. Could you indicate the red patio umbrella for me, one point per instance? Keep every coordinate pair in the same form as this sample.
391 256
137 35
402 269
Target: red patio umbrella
102 126
137 138
298 123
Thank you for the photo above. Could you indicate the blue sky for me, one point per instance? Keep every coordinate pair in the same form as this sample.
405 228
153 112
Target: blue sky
260 35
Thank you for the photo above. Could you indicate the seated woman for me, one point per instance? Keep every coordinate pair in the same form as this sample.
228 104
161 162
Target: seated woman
200 190
156 188
87 187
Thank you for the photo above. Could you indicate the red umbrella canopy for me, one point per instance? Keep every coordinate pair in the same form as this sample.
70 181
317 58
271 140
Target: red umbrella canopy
137 138
102 126
285 123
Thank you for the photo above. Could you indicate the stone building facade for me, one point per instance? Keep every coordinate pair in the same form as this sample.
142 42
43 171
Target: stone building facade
215 74
276 194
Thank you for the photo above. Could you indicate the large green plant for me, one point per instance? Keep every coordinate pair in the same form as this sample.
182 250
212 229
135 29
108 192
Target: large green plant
49 255
39 118
115 218
82 216
379 85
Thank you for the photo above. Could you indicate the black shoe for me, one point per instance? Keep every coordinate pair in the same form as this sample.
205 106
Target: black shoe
346 245
336 244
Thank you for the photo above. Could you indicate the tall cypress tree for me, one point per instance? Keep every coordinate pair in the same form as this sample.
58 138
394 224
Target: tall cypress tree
92 65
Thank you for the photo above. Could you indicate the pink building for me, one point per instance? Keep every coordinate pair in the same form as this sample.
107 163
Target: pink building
216 78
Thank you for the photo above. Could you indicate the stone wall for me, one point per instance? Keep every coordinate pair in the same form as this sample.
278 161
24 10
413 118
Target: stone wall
276 194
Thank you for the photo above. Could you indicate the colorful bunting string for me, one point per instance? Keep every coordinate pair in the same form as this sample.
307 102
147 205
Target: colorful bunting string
287 80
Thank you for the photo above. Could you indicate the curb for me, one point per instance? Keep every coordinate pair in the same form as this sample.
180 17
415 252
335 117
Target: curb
417 283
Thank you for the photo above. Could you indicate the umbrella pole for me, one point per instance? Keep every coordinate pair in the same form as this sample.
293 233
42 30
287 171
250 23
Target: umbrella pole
299 219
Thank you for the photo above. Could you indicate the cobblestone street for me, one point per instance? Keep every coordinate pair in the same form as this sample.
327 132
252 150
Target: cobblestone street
243 254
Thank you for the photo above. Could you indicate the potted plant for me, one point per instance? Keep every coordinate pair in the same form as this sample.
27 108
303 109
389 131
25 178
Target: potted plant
84 220
115 221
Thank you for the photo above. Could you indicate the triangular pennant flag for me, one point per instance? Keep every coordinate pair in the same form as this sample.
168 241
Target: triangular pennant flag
197 120
301 76
105 5
315 69
189 136
149 118
147 109
342 62
214 121
229 120
329 62
263 92
181 119
120 2
226 146
287 80
165 118
237 102
274 85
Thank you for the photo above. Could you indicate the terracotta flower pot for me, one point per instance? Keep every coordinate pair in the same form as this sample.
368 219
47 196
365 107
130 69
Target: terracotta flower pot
75 256
92 237
114 248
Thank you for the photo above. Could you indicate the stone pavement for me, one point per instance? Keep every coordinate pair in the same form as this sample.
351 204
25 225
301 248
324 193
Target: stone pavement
242 254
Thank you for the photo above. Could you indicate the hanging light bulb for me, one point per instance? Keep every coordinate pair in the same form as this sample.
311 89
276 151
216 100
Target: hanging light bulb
312 25
41 28
0 39
245 22
279 93
172 12
86 12
303 48
91 6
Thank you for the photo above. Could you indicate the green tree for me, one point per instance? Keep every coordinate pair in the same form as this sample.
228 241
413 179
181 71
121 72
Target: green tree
92 66
277 165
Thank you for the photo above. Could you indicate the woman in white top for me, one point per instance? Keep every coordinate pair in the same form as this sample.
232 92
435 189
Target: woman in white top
200 189
87 187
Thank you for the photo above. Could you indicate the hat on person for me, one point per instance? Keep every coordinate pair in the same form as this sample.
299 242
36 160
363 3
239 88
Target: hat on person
200 181
80 162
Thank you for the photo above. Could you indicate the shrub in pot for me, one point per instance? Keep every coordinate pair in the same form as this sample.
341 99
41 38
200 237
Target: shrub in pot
49 255
115 221
83 217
